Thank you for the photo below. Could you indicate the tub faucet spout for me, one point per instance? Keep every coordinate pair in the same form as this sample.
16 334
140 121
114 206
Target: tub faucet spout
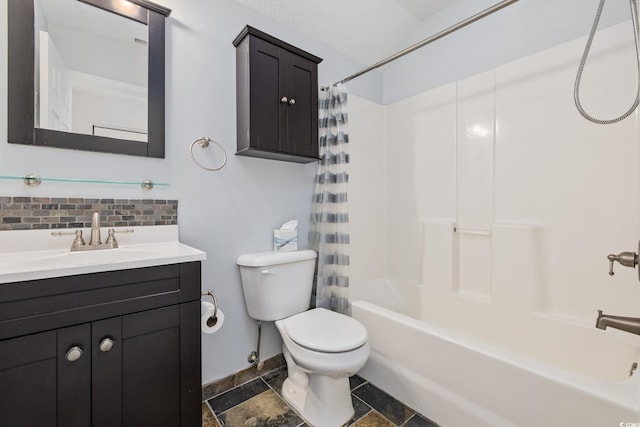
627 324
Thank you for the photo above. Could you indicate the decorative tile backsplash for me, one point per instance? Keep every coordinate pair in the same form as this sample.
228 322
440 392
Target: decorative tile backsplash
36 213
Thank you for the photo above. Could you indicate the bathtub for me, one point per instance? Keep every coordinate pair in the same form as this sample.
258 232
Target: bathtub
497 369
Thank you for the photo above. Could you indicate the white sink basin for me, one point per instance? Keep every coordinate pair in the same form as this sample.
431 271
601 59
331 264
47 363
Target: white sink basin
40 264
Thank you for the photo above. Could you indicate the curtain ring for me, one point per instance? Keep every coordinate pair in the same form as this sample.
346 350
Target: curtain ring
204 143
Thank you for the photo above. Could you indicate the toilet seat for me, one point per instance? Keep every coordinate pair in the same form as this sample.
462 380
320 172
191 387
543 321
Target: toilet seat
325 331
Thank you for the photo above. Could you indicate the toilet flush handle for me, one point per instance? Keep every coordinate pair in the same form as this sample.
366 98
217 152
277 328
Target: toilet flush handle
268 271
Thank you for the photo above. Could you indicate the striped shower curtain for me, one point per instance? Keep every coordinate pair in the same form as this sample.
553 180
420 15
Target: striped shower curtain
329 230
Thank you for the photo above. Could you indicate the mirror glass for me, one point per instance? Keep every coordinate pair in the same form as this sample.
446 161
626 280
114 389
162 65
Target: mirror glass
90 82
91 70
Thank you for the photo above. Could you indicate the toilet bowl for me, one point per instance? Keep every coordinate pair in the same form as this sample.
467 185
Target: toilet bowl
322 348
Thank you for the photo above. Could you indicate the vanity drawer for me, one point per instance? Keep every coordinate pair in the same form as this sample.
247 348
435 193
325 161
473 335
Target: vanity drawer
39 305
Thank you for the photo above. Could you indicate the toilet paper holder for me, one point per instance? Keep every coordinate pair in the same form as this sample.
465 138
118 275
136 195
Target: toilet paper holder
215 305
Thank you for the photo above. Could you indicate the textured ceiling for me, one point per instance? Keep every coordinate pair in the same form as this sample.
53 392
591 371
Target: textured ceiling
365 30
422 9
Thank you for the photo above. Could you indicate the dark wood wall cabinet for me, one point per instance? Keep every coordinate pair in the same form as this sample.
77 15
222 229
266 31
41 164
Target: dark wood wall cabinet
277 98
112 349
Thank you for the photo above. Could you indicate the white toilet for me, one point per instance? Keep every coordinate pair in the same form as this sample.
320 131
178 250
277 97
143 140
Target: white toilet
322 348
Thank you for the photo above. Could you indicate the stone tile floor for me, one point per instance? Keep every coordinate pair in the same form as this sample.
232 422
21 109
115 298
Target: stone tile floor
258 403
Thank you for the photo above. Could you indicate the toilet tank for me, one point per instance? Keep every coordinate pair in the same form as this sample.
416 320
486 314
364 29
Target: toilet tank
277 285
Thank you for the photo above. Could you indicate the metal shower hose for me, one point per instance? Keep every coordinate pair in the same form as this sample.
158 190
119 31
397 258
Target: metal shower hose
576 88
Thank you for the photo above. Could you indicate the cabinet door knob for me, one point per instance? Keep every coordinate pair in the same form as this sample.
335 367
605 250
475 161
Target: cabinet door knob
284 100
106 345
292 101
73 354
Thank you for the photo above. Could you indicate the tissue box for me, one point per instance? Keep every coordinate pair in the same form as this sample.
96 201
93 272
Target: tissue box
285 240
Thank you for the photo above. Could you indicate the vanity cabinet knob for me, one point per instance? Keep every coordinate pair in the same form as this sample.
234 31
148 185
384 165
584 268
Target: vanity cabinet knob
284 100
106 345
292 101
73 354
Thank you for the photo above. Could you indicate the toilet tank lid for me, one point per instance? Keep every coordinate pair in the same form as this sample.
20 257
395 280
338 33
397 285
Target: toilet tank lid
263 259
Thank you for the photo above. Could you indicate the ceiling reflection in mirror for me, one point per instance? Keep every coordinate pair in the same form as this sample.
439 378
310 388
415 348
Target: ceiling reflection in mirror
90 71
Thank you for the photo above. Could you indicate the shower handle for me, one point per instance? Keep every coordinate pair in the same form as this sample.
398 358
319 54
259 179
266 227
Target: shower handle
627 259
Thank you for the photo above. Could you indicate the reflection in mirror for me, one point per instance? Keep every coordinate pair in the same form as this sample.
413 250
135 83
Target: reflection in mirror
49 100
90 71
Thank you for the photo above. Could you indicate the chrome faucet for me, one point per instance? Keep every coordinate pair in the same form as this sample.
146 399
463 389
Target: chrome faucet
627 259
95 230
95 241
627 324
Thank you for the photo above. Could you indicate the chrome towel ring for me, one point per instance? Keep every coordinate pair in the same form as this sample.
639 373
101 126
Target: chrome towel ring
204 143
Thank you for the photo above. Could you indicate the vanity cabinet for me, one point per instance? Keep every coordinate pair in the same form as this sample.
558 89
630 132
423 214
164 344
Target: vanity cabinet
277 98
110 349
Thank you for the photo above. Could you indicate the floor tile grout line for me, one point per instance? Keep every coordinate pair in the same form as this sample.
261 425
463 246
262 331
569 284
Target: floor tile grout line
281 397
383 417
279 394
269 385
359 385
362 416
215 417
415 413
246 382
361 400
243 402
407 420
240 403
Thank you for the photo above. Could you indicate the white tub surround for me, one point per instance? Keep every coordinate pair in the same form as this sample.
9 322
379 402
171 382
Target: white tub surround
506 153
501 203
502 264
36 254
438 251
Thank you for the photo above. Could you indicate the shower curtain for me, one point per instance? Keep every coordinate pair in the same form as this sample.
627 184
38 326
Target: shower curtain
329 229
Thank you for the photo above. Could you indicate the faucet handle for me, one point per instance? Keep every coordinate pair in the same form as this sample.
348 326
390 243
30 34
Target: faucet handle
77 242
111 239
125 230
628 259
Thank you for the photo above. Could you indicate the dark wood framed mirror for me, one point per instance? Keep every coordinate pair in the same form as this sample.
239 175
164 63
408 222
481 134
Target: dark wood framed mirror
22 87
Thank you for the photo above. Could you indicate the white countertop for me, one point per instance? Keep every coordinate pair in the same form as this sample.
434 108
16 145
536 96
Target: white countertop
36 254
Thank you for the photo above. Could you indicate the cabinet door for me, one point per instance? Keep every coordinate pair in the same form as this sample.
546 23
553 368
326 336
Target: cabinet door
158 347
106 386
45 379
74 376
267 126
302 115
28 384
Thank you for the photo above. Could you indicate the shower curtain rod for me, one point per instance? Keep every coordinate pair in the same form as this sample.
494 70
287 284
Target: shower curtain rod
431 39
